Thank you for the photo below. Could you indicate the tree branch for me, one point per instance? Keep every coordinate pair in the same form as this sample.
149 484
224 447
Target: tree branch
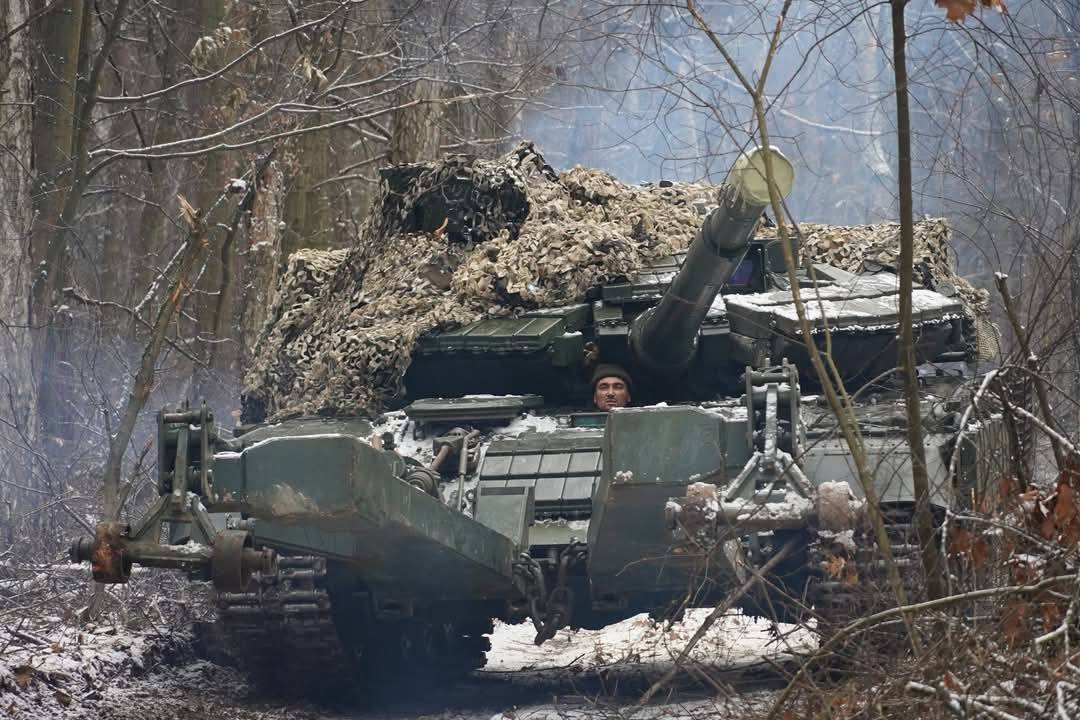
194 247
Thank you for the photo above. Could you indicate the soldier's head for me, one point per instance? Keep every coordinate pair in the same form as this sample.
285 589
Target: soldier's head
611 387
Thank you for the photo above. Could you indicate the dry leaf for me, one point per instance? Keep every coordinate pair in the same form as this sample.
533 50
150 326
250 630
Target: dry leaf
1047 527
62 697
23 675
835 567
188 214
980 553
1070 534
960 541
1051 614
958 10
950 681
1064 506
1014 623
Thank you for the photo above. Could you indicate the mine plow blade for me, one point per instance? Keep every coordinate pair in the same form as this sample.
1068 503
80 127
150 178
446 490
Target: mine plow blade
357 511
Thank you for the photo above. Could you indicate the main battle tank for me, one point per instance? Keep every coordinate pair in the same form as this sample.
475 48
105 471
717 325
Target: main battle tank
340 545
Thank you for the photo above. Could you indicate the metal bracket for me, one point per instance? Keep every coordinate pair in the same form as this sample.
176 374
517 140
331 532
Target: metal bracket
227 557
771 492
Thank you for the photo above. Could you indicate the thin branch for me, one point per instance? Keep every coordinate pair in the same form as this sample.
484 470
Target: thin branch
73 294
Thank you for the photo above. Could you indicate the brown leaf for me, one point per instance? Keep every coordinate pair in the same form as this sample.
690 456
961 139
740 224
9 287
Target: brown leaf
1047 528
950 681
1051 615
1070 472
188 214
23 675
1065 506
980 553
63 698
960 541
956 10
1070 534
851 577
1014 623
964 542
835 567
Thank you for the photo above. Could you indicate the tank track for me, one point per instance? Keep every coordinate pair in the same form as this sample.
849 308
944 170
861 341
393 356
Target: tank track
283 630
850 580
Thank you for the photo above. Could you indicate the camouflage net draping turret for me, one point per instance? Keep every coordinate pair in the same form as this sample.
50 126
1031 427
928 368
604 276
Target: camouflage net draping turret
456 241
447 244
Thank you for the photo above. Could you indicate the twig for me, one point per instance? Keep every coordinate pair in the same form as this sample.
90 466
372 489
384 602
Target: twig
1057 439
1033 364
960 706
74 294
27 637
194 247
887 615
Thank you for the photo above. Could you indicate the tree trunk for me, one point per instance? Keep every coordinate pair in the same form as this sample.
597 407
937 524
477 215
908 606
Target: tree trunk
263 251
56 37
17 410
924 521
416 133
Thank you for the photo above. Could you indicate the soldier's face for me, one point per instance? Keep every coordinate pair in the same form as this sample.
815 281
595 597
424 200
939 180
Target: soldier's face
611 392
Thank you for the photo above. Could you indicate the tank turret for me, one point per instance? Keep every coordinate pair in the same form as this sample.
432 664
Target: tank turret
664 338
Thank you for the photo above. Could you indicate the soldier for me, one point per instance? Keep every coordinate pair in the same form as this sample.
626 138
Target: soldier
611 387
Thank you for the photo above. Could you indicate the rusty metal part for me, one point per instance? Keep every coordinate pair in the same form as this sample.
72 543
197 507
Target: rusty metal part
234 560
110 561
229 562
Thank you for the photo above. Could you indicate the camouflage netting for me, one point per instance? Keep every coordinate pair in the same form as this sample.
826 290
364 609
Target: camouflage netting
457 241
447 244
869 248
861 248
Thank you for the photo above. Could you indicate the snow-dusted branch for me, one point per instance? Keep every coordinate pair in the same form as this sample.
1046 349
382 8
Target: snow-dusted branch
129 99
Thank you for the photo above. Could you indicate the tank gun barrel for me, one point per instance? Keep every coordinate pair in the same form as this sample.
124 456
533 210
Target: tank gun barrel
664 338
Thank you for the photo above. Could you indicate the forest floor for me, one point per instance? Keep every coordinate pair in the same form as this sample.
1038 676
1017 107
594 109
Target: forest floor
115 674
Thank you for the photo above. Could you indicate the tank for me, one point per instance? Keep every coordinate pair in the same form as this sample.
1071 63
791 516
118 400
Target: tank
340 546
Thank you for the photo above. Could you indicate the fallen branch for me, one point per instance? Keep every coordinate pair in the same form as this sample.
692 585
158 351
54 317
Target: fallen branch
960 706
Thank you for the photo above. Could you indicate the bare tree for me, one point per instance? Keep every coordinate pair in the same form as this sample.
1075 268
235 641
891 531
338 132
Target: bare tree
18 404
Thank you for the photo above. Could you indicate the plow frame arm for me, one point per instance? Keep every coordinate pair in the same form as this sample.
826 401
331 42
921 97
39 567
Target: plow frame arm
226 557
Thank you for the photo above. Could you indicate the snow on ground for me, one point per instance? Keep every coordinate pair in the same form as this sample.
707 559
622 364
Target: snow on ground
735 640
64 673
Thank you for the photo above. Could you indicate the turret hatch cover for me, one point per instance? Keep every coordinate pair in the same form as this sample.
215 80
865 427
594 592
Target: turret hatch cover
866 303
